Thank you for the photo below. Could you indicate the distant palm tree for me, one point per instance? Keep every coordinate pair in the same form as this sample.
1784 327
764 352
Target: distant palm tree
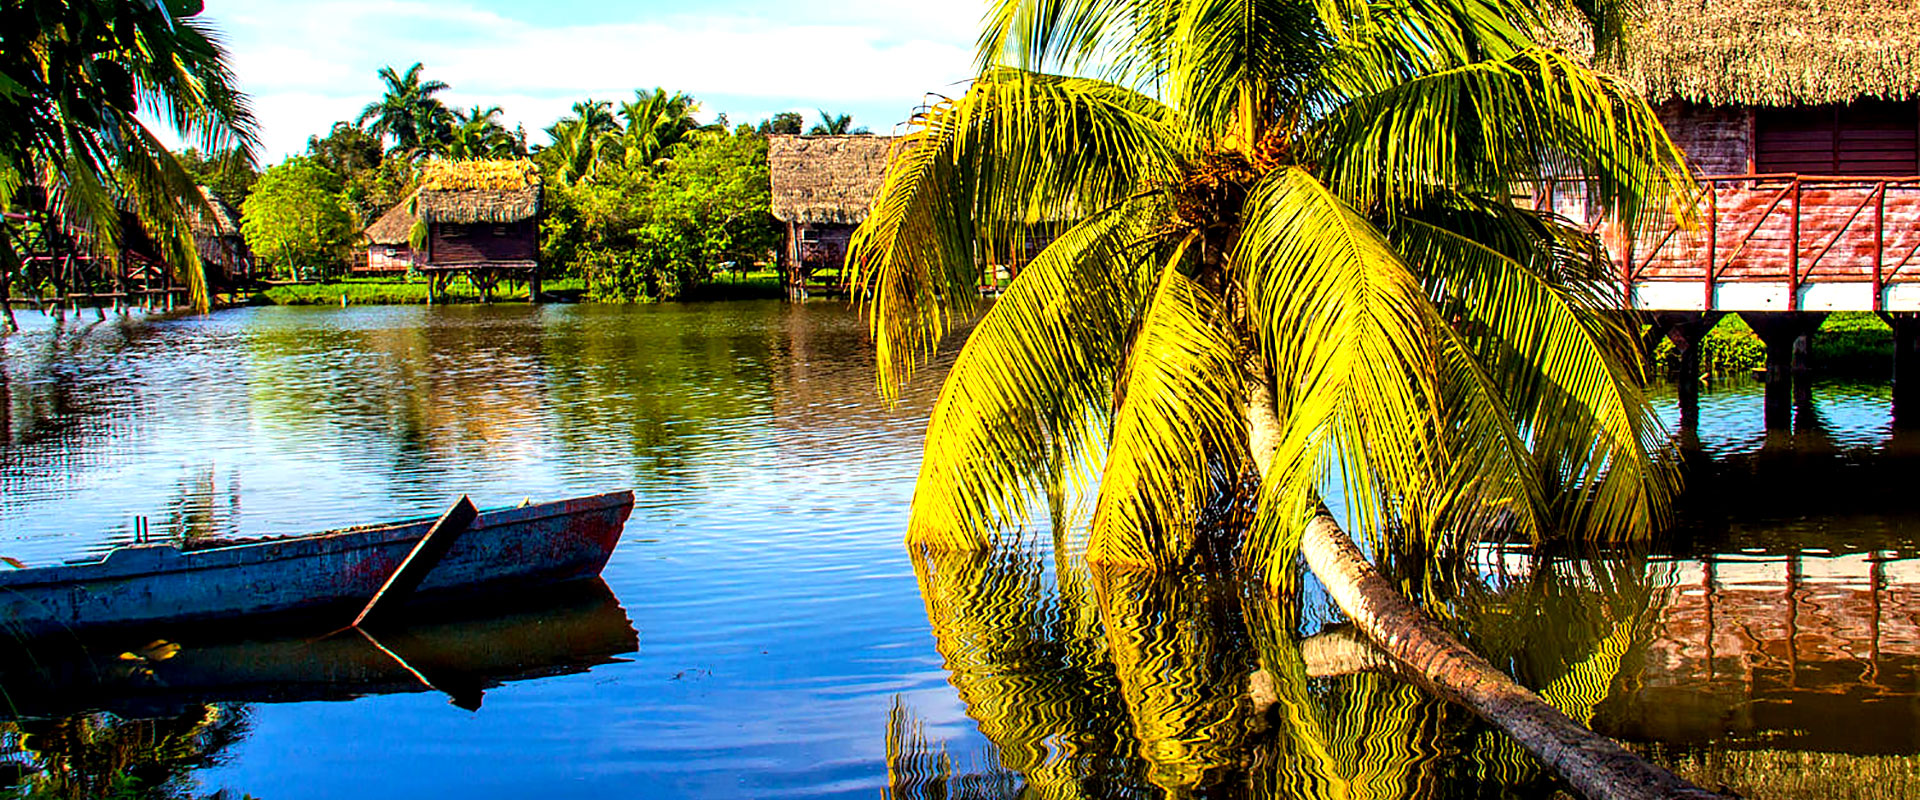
834 125
579 141
655 124
408 113
478 134
76 75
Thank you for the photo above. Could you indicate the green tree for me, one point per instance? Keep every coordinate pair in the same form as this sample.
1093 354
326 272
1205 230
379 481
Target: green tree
298 217
228 172
579 140
1295 265
834 125
346 149
658 231
409 113
74 75
787 122
478 134
655 123
372 182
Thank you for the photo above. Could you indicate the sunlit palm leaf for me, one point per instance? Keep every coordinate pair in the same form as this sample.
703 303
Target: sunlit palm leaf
1018 150
1181 425
1032 384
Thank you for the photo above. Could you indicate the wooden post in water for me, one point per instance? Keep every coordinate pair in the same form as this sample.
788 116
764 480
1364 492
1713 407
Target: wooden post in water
1781 331
1906 368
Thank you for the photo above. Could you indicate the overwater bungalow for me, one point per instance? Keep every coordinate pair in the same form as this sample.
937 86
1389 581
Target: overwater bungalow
822 187
482 220
389 242
1801 121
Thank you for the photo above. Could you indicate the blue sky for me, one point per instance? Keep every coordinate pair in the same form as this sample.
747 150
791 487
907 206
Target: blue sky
307 63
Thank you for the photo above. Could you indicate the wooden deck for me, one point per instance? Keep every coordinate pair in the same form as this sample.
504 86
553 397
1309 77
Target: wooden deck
1778 242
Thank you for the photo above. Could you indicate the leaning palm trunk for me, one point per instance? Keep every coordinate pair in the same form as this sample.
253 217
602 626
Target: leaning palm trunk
1596 766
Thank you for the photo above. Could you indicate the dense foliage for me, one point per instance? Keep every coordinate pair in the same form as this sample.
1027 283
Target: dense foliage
655 231
297 218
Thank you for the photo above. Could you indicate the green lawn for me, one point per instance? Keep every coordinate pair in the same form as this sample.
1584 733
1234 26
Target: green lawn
413 291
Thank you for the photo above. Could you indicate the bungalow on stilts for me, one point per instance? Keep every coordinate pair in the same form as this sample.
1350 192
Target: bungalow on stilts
480 219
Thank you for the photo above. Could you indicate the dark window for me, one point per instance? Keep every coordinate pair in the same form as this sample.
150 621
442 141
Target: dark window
454 232
501 231
1871 137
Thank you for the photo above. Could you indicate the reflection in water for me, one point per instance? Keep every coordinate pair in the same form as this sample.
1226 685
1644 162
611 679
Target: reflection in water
569 629
1195 686
100 755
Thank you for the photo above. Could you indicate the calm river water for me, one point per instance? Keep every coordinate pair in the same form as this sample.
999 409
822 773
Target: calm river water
762 632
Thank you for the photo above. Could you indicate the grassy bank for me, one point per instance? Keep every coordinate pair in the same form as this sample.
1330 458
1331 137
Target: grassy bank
1848 343
413 291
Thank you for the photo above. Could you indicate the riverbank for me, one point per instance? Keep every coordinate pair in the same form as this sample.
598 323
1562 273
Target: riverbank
413 291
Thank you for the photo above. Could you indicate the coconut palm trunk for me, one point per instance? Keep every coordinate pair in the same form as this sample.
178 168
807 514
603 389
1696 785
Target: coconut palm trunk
1596 766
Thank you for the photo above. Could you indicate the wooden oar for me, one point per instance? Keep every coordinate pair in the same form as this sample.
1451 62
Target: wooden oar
425 555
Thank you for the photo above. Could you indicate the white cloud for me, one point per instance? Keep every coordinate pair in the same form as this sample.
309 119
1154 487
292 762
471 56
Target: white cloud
308 64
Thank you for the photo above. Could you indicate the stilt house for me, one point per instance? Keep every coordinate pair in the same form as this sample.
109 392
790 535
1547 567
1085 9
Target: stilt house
482 220
822 187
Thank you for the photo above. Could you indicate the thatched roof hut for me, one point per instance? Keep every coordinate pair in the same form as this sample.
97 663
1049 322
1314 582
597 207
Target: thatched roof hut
469 192
220 221
394 227
825 179
1773 52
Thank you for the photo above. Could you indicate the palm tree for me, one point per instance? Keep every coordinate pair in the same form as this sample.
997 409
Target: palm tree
834 125
408 113
579 141
78 73
655 123
1286 259
478 134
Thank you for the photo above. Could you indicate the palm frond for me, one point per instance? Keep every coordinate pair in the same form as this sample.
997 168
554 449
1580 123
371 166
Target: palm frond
1018 150
1489 126
1032 385
1347 329
1566 366
1180 425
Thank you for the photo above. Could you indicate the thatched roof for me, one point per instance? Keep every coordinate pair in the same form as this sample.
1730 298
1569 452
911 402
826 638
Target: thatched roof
393 227
818 179
1774 52
505 190
223 222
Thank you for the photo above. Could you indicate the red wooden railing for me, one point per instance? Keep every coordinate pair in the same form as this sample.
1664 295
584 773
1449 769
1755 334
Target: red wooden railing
1784 228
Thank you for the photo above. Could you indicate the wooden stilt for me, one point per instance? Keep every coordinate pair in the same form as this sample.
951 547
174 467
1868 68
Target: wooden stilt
1780 331
1906 369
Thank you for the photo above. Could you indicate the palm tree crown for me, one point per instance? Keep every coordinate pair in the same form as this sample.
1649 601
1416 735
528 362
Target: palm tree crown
409 113
1285 262
655 123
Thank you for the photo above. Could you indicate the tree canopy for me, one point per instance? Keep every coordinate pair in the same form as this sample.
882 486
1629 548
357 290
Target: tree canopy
297 218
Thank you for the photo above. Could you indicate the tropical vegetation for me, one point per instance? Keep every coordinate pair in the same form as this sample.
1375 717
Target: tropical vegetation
75 78
297 216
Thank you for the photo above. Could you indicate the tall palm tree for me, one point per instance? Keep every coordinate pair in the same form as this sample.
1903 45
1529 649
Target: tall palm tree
580 140
478 134
655 123
409 113
1295 263
77 73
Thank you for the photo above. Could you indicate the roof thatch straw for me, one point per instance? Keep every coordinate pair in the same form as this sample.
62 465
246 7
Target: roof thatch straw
223 222
1773 52
506 190
825 179
393 227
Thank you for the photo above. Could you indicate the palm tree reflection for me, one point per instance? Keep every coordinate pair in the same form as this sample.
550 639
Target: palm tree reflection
1114 684
101 755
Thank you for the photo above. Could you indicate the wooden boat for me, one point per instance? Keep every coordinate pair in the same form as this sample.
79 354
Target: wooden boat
460 649
141 585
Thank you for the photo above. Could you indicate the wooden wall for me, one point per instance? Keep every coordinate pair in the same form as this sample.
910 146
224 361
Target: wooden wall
388 258
450 243
1718 140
